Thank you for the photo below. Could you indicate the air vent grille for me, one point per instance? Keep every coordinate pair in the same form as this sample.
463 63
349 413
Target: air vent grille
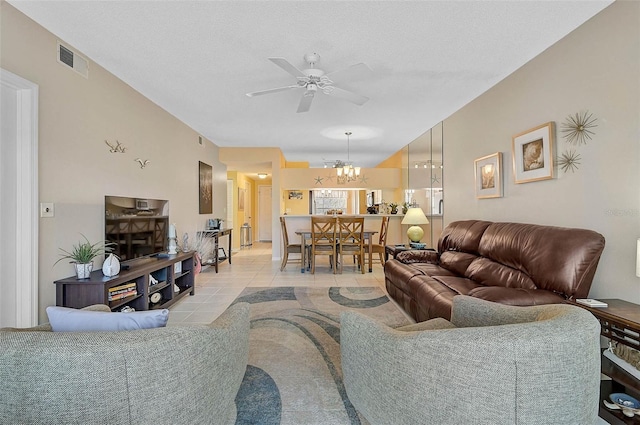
73 60
66 56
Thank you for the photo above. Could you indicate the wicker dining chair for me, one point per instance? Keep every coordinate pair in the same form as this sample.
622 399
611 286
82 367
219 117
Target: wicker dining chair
378 248
351 242
323 240
289 248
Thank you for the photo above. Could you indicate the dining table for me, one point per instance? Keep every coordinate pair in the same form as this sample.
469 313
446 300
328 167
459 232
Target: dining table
305 235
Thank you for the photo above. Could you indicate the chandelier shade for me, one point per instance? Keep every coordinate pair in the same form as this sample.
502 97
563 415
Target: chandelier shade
345 171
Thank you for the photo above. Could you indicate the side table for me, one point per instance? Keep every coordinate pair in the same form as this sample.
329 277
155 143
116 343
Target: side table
393 250
620 322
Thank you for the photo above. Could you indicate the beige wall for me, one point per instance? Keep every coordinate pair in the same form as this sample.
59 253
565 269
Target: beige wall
595 68
76 170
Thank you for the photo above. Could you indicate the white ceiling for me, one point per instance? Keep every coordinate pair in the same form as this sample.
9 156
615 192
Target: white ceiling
197 59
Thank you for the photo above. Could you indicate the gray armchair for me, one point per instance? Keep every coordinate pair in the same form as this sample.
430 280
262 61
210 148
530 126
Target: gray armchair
492 364
172 375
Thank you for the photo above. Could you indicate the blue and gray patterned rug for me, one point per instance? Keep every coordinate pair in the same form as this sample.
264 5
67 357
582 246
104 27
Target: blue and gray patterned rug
294 374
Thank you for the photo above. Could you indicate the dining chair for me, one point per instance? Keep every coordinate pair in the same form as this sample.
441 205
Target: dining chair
378 248
323 240
351 240
289 248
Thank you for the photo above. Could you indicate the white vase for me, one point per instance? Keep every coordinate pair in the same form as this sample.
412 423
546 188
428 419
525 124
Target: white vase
83 270
111 266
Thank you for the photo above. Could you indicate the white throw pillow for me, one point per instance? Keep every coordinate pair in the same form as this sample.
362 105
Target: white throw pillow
63 319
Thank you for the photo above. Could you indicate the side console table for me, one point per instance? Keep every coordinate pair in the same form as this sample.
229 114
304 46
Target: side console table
393 250
620 322
215 255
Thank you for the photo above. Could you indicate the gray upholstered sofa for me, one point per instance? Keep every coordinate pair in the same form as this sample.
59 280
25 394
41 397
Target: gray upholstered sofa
491 364
172 375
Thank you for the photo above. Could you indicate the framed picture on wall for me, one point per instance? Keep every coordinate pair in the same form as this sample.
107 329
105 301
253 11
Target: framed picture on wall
241 193
205 188
295 194
533 154
489 176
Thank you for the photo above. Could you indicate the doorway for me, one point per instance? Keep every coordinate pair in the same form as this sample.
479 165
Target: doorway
264 214
18 201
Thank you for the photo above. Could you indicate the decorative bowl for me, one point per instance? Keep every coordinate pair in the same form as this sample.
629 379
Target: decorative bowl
625 401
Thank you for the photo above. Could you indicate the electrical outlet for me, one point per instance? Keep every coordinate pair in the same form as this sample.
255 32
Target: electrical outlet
46 209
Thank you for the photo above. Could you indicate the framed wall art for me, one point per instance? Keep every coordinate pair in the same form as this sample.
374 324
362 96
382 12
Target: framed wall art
533 154
488 171
205 188
241 194
295 194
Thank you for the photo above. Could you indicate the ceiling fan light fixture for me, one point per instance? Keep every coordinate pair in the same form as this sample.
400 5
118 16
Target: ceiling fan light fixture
312 79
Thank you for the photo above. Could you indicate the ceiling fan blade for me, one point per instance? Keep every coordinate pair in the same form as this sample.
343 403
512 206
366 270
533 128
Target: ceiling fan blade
305 102
354 72
286 65
346 95
269 91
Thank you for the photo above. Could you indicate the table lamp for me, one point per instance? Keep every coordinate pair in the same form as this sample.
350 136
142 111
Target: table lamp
414 217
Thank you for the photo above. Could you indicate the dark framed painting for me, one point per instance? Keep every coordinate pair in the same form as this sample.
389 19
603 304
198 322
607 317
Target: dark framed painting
205 188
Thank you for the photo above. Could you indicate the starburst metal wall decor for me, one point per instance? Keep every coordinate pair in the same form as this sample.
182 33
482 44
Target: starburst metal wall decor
577 129
569 160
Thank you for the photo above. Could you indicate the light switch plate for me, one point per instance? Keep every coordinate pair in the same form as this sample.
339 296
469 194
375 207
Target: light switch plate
46 209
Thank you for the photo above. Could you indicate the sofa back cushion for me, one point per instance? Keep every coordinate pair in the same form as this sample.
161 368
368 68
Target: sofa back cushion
557 259
459 243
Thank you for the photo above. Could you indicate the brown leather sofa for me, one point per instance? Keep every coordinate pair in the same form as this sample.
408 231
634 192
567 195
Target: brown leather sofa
510 263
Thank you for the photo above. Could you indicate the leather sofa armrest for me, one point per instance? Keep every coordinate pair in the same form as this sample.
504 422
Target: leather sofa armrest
418 256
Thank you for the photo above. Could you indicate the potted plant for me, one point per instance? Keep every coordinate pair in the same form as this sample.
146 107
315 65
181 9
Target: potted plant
394 208
82 255
405 207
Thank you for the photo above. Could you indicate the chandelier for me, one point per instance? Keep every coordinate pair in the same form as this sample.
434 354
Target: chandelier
345 170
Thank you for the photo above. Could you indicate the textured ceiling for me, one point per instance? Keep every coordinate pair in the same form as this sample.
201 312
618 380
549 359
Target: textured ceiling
197 59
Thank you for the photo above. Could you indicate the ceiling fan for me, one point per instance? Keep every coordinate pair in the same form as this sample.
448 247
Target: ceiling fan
314 79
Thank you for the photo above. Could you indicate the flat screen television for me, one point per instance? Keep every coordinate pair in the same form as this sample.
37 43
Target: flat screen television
137 227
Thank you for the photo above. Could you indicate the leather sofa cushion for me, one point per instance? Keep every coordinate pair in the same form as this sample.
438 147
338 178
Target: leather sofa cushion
463 236
516 296
457 262
489 273
431 269
460 285
561 267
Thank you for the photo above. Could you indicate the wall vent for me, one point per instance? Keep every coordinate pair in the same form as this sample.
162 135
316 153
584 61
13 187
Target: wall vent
200 142
69 58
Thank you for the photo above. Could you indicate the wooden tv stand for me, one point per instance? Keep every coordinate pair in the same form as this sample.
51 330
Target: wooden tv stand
166 269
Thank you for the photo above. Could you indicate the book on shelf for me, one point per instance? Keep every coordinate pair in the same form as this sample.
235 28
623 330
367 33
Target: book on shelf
122 287
121 295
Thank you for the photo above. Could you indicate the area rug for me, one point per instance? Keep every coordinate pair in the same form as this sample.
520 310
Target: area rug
294 374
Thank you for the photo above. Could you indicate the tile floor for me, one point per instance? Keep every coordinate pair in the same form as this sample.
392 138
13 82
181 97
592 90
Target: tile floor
254 267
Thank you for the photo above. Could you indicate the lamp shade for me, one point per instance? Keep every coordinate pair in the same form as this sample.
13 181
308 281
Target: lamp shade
415 216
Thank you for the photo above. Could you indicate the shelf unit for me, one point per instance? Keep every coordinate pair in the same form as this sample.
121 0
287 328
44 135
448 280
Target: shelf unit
215 254
620 322
174 274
